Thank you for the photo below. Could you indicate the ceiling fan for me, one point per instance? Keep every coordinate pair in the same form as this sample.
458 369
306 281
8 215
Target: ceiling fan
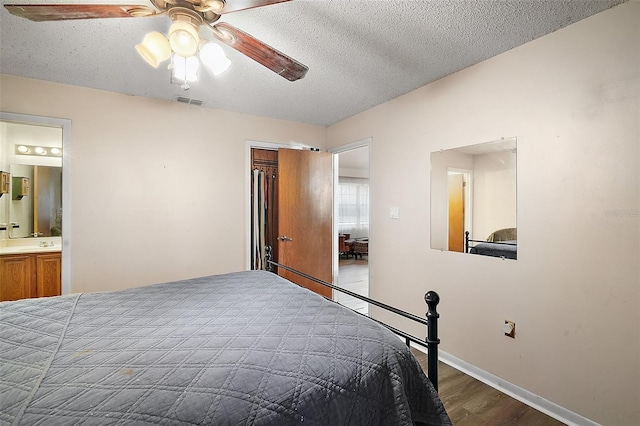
191 21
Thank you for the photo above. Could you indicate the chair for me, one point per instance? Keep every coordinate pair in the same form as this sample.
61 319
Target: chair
360 247
343 247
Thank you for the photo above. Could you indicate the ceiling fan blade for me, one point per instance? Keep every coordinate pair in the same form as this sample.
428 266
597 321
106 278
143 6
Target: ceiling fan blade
61 12
236 5
260 52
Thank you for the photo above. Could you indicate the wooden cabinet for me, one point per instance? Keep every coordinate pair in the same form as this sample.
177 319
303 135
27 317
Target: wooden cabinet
20 187
48 275
30 275
4 182
17 277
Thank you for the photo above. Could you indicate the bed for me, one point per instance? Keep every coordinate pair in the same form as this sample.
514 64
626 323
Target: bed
246 348
502 243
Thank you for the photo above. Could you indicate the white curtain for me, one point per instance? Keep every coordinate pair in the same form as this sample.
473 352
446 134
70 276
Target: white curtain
353 206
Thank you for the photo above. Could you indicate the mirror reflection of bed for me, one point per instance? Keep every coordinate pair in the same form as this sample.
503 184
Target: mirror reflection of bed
502 243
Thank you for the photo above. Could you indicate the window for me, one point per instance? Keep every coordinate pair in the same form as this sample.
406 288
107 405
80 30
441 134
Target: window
353 207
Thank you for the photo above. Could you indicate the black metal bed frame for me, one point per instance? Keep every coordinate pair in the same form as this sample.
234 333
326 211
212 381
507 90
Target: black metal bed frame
467 241
431 298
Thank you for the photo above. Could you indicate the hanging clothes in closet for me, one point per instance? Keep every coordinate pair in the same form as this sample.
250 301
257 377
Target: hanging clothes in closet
263 208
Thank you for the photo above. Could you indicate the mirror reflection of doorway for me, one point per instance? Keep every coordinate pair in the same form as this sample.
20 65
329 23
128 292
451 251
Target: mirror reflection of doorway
352 211
456 212
459 208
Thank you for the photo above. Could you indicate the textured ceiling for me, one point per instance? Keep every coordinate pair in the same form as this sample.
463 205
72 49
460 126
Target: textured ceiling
360 53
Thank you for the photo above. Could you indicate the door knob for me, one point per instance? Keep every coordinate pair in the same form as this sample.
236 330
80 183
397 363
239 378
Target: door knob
285 238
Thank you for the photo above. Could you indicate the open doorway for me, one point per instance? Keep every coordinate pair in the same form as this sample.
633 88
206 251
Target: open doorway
42 216
351 221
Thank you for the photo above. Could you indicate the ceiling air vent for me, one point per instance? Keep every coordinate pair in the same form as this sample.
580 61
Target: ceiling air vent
189 101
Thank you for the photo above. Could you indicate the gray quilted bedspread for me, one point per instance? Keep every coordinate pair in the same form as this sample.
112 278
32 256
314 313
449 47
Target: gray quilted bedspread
245 348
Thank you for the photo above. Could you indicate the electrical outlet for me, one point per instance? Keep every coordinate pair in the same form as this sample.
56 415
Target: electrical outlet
509 329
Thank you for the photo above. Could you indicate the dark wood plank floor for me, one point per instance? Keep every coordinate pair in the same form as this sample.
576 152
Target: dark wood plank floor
470 402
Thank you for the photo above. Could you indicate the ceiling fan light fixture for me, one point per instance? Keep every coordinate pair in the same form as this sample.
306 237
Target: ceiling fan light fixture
154 48
214 6
138 12
185 68
213 57
183 38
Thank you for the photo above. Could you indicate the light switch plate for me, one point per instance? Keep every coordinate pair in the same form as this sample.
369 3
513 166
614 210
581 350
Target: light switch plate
393 213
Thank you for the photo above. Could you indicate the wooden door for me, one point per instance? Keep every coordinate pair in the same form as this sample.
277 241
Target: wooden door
456 212
305 209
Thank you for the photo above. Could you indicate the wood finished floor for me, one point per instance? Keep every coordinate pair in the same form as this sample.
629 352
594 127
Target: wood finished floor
468 401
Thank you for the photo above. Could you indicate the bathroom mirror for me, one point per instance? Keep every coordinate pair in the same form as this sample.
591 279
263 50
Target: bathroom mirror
32 154
473 199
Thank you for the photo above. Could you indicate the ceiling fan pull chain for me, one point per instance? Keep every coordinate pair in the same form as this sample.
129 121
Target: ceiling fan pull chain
185 86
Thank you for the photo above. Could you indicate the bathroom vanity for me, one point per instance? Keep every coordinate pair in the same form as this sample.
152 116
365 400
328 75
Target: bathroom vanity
30 270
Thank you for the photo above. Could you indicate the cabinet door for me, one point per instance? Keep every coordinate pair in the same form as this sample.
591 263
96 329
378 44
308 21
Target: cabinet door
17 277
20 187
49 276
4 183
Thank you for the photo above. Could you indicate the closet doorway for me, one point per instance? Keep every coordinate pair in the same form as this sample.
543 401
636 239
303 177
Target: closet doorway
352 177
264 206
290 211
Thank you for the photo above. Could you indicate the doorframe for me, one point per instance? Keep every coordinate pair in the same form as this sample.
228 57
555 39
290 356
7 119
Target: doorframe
65 125
362 143
249 145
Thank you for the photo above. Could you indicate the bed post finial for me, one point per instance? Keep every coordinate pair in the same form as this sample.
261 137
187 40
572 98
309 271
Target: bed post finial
267 258
432 298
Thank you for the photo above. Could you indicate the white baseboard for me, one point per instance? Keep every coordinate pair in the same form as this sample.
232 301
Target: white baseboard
549 408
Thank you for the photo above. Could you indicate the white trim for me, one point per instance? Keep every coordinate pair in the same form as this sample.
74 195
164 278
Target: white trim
362 143
549 408
335 241
65 124
353 145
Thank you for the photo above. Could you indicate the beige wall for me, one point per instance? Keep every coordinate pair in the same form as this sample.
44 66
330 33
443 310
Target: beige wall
158 188
571 98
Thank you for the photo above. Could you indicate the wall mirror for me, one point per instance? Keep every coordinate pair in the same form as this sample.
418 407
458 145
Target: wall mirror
32 155
473 199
